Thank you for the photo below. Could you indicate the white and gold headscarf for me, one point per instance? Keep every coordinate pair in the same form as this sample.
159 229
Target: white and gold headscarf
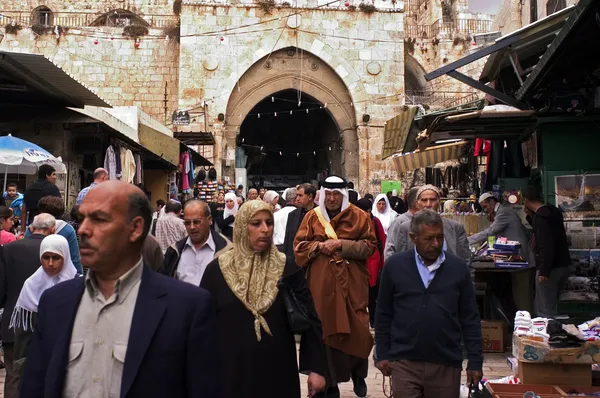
252 276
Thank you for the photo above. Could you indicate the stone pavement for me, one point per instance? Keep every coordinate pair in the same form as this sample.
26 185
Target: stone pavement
494 367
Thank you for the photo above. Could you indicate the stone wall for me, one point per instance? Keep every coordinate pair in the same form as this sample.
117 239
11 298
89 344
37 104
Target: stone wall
212 64
111 65
514 14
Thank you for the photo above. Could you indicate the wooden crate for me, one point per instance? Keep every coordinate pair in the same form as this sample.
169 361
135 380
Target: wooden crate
555 374
521 389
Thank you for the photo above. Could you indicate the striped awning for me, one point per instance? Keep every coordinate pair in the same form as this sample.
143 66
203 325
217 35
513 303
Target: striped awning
396 131
430 156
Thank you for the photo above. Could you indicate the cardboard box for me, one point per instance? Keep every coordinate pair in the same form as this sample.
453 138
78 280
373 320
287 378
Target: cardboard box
493 336
528 350
555 374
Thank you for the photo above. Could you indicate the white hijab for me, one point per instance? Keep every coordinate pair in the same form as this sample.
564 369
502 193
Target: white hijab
228 212
322 195
40 281
269 197
387 216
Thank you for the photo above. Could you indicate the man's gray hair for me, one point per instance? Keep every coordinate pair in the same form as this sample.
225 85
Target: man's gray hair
290 195
411 197
424 217
43 222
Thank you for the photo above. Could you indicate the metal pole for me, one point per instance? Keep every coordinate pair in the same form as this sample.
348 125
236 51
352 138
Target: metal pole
5 173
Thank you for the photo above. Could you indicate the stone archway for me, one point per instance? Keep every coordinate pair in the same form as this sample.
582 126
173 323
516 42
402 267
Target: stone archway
293 69
414 75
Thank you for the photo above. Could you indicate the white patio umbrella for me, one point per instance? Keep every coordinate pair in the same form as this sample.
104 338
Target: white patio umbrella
18 156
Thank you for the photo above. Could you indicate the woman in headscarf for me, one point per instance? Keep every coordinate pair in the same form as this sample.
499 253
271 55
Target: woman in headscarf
272 199
56 266
229 214
383 211
375 262
252 322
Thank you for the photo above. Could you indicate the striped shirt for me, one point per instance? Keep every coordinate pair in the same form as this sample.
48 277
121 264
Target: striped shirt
84 192
169 229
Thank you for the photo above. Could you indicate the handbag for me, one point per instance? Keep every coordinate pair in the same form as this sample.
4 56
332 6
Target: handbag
296 311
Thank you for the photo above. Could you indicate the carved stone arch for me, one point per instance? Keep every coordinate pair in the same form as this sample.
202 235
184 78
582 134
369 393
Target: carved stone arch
414 75
119 18
285 70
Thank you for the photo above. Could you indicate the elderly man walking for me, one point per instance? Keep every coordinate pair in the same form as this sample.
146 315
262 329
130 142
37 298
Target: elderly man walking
169 227
455 236
333 243
187 259
426 305
100 175
123 330
20 260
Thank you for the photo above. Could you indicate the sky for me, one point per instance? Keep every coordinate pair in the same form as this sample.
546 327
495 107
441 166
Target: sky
485 6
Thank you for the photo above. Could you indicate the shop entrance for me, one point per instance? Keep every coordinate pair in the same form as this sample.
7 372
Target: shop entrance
285 144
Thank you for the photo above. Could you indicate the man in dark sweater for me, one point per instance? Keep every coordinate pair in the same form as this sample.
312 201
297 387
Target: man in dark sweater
426 304
44 186
551 250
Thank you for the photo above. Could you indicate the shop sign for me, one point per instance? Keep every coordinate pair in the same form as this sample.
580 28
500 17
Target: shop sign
389 186
180 118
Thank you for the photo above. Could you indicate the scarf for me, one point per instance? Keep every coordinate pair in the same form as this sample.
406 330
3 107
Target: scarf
251 276
269 197
40 281
388 214
228 212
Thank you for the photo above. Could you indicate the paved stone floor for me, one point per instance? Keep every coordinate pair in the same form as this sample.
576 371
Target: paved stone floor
494 367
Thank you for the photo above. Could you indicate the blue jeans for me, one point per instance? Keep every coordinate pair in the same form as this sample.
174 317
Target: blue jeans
546 293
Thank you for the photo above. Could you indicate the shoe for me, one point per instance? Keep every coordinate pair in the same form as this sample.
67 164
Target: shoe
360 387
333 392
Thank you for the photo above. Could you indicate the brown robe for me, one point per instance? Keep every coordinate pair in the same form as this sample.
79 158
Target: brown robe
340 284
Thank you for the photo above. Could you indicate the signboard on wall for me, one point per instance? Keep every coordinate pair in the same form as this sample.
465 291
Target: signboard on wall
389 186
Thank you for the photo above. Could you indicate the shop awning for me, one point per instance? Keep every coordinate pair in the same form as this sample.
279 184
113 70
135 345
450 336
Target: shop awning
511 57
396 131
428 157
572 61
160 145
493 122
195 137
31 79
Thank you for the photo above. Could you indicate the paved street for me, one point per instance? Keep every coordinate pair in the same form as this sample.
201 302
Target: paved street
494 367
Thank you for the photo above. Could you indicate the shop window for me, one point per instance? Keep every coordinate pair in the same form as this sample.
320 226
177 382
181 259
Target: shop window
119 19
555 5
42 16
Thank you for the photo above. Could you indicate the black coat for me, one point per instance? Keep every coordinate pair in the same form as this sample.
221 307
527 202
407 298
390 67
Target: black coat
275 375
20 259
291 229
550 240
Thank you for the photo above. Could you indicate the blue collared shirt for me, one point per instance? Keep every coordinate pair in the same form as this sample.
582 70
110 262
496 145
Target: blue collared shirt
428 272
84 192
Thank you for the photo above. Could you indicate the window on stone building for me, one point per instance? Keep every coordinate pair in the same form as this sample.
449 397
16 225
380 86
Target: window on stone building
120 19
555 5
42 15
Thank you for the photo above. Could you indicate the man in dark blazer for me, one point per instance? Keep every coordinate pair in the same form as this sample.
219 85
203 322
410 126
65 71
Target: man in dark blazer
20 259
123 330
305 200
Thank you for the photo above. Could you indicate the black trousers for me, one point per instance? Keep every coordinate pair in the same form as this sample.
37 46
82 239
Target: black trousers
373 292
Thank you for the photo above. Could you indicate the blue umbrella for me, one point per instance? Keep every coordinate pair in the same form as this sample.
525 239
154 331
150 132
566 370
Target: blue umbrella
23 157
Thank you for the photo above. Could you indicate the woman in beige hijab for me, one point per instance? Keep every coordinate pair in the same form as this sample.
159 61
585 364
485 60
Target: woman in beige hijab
257 344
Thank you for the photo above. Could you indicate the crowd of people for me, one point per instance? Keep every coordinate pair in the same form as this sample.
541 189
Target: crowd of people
189 299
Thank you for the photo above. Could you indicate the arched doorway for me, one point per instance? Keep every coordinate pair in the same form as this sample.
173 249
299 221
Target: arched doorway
289 144
292 80
414 75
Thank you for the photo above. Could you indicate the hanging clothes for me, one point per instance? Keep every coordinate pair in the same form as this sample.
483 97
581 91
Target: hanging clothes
128 165
191 168
184 167
138 169
110 163
118 159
